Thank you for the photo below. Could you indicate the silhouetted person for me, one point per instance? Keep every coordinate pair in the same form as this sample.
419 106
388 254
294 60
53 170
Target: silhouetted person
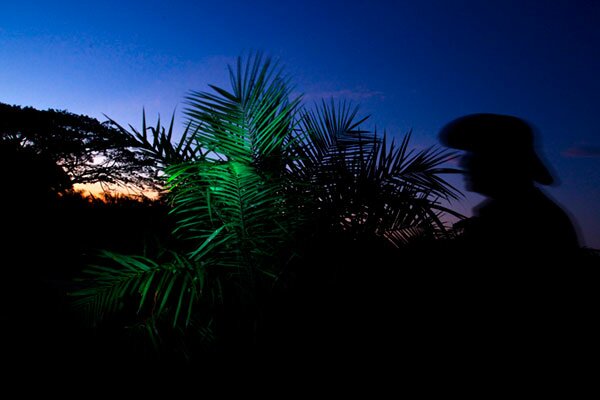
517 219
518 287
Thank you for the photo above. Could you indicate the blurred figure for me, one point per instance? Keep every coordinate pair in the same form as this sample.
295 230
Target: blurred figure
500 162
516 288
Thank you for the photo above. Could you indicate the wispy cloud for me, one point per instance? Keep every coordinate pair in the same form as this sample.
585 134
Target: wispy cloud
581 151
348 94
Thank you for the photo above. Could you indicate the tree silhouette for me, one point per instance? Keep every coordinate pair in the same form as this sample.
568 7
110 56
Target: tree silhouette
85 149
30 174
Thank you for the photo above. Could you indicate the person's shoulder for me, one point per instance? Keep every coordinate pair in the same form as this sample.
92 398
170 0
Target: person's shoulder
553 221
540 202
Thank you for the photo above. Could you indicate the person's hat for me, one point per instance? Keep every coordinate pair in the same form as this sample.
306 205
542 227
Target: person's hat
494 135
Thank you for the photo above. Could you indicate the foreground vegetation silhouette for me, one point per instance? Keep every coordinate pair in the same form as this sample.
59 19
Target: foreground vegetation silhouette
280 229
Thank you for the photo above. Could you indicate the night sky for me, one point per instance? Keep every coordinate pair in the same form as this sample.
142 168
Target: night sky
410 64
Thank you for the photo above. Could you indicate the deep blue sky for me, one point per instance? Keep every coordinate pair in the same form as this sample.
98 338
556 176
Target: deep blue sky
410 64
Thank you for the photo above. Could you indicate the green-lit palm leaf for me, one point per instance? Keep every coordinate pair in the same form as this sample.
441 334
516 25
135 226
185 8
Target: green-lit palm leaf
240 188
247 209
250 122
171 287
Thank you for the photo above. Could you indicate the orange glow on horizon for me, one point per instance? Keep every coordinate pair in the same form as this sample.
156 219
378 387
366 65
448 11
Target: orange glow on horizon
97 190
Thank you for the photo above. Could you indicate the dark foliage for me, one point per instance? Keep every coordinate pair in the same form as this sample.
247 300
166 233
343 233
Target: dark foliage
85 149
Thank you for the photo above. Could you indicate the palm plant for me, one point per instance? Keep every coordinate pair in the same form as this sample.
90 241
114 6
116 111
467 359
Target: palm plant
229 202
252 174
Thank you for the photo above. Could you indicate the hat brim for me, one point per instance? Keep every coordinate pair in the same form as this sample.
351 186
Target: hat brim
485 133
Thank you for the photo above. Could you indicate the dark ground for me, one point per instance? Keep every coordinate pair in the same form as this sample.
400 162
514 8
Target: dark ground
348 302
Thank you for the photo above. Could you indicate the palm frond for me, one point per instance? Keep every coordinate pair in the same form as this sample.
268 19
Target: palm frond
251 121
363 183
326 136
243 213
156 142
171 287
238 190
